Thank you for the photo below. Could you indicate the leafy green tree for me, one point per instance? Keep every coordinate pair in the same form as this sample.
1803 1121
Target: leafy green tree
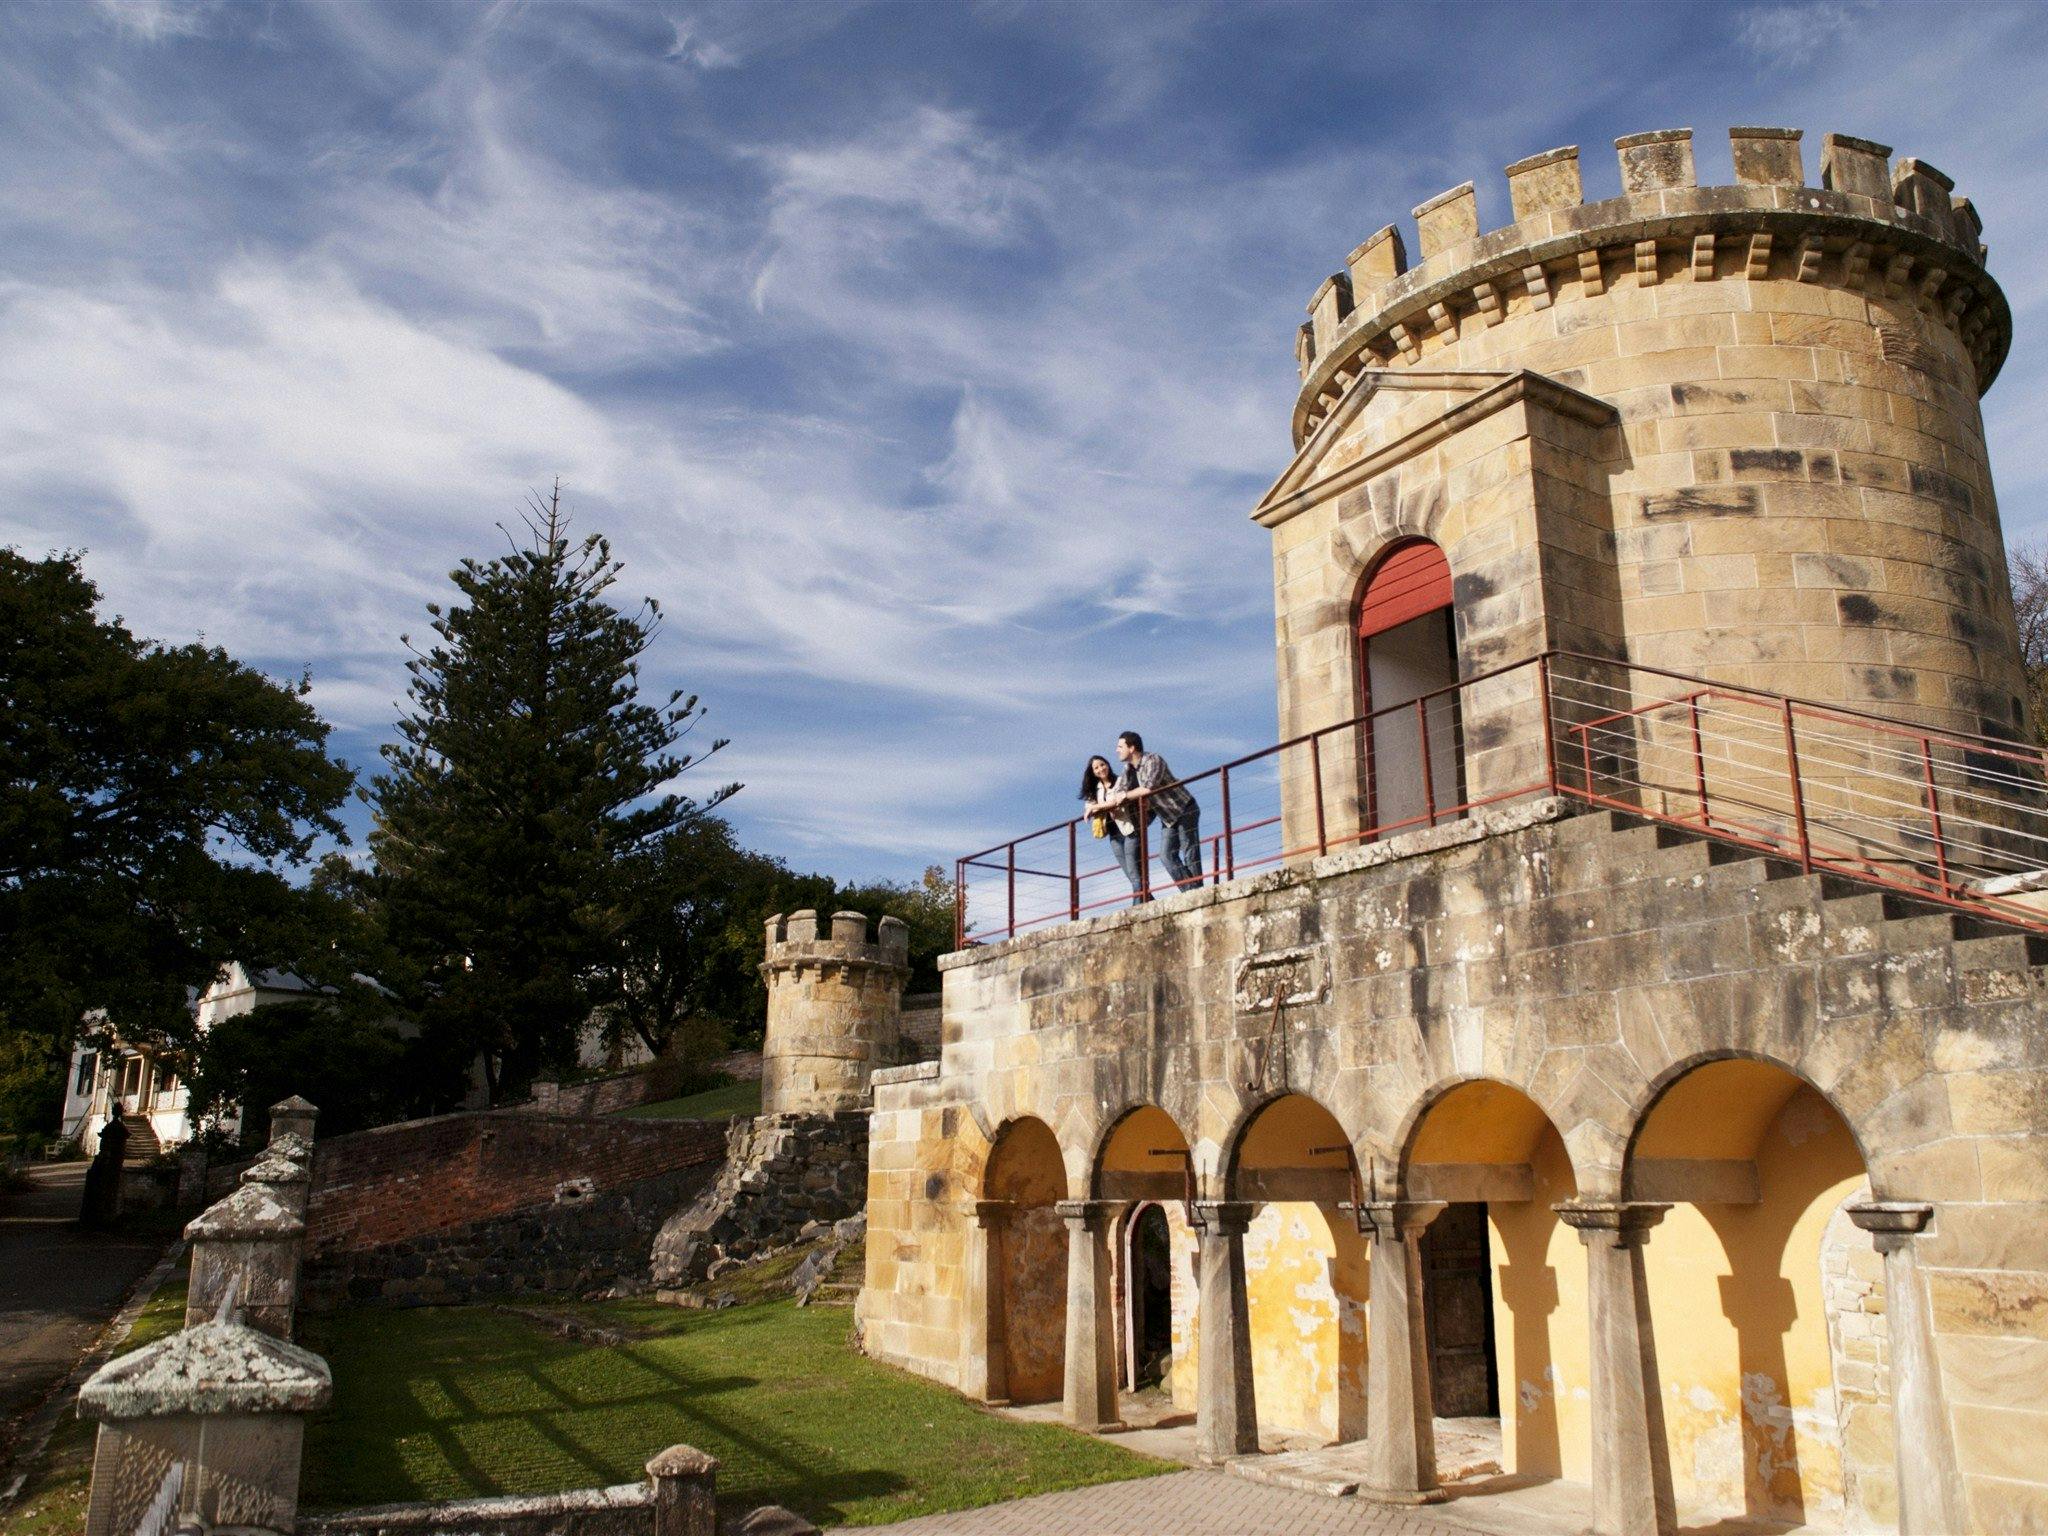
527 772
150 796
678 979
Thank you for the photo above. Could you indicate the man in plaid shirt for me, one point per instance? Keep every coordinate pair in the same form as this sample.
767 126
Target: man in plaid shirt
1180 818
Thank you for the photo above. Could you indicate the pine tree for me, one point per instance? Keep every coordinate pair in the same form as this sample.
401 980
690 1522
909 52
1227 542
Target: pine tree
527 772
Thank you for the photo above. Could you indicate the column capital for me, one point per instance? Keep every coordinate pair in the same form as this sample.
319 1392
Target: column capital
1395 1220
991 1213
1091 1215
1225 1218
1891 1223
1620 1223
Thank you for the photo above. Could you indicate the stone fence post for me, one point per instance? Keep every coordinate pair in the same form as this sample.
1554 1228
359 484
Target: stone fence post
245 1254
247 1247
685 1482
206 1426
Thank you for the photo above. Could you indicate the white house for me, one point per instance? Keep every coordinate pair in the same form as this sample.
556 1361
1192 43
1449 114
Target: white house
128 1083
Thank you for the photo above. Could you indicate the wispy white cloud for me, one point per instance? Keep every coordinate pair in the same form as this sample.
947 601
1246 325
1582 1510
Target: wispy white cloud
924 363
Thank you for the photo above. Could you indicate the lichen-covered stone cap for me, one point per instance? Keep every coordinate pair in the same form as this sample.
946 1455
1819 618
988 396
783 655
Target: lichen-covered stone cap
213 1368
272 1169
252 1211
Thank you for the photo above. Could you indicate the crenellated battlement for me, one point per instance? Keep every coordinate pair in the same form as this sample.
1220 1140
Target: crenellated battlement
806 938
1891 230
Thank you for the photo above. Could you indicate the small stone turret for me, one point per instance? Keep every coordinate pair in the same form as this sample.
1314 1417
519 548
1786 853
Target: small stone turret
833 1000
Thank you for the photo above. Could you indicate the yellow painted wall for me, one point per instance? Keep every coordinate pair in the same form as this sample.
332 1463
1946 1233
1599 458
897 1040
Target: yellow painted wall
1539 1325
1742 1341
1306 1279
1181 1376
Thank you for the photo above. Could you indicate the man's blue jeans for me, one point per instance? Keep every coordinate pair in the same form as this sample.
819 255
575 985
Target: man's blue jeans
1127 857
1181 848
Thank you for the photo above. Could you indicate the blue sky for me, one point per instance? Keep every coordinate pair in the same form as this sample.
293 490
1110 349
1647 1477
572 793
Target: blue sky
923 360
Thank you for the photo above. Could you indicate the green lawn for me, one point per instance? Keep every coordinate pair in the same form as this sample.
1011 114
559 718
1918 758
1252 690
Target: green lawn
720 1103
450 1402
53 1499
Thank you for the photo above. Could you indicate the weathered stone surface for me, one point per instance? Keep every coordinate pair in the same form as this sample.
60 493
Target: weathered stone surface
782 1172
208 1369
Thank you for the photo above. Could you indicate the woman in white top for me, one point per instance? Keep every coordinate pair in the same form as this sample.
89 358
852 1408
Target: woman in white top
1120 826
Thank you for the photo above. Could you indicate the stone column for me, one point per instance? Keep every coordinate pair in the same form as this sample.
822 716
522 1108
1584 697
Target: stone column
1400 1435
985 1363
203 1427
685 1484
1631 1465
1931 1498
1091 1335
1226 1416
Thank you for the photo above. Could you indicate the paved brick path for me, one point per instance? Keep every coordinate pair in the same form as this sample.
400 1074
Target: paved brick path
1186 1504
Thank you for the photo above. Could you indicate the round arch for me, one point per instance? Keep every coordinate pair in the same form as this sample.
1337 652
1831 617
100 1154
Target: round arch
1745 1282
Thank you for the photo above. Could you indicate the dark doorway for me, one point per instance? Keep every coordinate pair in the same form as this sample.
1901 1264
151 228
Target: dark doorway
1457 1290
1149 1300
1412 765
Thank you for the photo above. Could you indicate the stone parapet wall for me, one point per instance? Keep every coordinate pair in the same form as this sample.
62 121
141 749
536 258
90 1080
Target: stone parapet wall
593 1096
583 1239
425 1177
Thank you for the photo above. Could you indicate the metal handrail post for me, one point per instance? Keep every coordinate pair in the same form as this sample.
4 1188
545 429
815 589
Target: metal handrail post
1699 761
1428 777
1144 848
1073 871
1543 704
1934 814
1315 768
1798 791
1013 891
1229 849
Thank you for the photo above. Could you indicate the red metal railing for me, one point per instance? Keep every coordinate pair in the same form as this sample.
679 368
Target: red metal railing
1953 818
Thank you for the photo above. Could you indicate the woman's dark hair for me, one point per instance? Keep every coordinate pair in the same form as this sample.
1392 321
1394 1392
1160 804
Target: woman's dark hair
1088 775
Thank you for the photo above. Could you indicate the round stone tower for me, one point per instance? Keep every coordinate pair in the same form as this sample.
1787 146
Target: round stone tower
1731 431
833 1000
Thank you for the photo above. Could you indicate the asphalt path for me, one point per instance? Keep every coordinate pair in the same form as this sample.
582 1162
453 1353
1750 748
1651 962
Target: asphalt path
59 1286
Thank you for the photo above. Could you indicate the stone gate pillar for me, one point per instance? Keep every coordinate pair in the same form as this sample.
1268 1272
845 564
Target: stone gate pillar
833 1001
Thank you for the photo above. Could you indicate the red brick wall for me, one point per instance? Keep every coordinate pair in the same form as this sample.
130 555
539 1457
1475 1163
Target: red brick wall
399 1182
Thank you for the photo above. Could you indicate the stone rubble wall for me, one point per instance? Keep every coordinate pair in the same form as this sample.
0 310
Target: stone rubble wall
781 1173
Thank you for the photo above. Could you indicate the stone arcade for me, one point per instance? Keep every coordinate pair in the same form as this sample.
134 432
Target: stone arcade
1556 1066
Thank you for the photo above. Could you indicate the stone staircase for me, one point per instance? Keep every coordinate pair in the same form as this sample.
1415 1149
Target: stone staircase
1896 922
143 1145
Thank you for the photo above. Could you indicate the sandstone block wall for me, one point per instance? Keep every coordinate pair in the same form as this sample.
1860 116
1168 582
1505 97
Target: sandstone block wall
1769 467
1584 964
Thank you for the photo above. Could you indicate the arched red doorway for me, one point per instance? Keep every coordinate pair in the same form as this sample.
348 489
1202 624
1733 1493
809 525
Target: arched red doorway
1407 654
